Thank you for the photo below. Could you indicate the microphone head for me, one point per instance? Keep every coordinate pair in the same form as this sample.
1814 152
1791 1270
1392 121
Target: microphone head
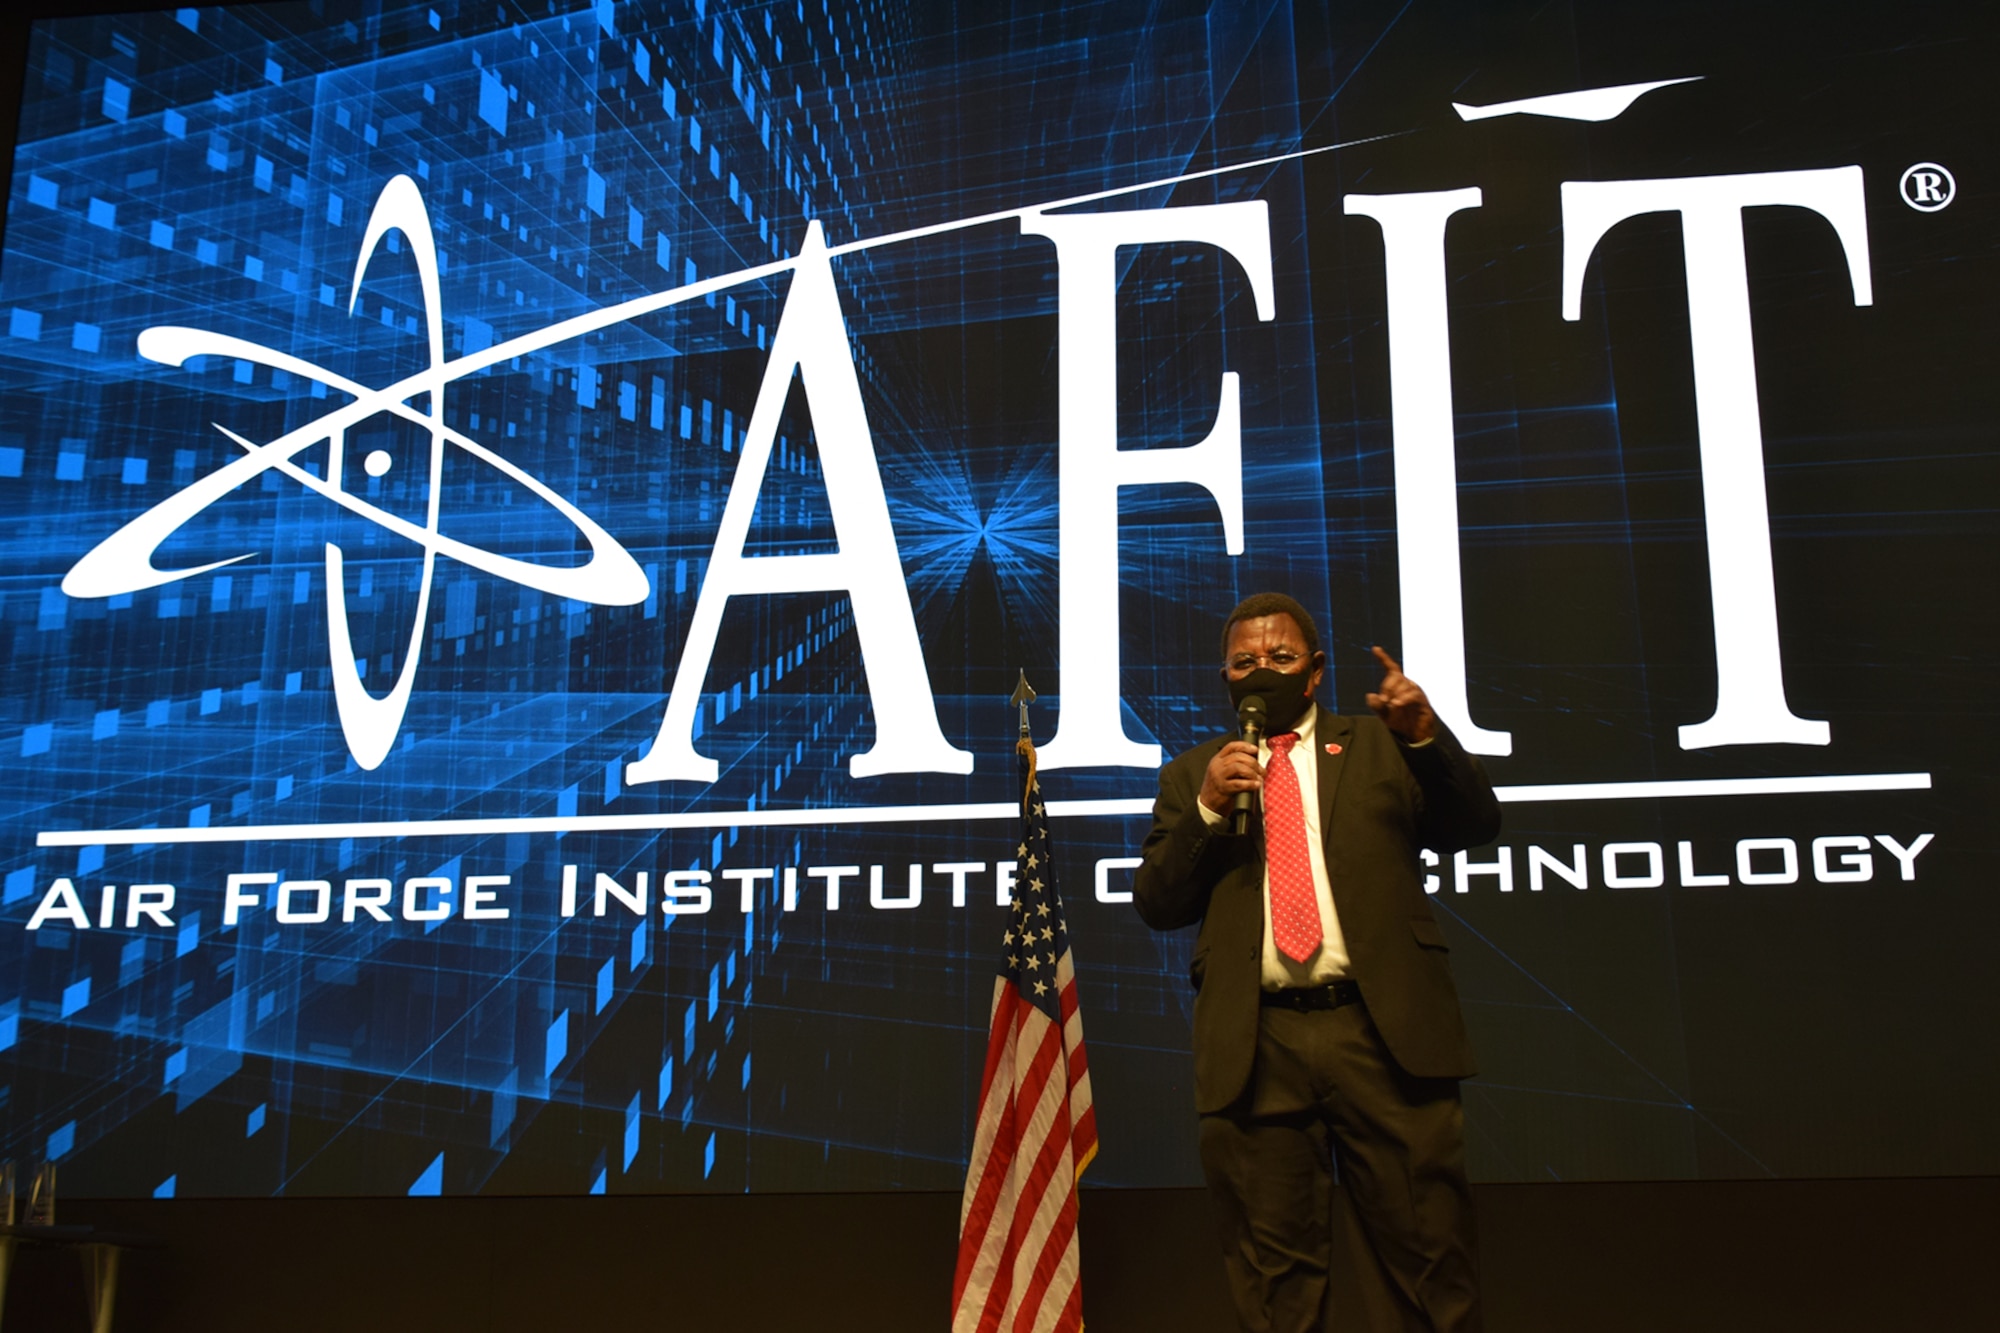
1252 711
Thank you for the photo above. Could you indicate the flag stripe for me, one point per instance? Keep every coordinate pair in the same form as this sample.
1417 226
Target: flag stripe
1031 1084
992 1092
1038 1206
993 1152
1055 1270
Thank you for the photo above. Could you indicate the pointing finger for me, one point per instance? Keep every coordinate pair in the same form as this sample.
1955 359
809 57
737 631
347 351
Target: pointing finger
1388 663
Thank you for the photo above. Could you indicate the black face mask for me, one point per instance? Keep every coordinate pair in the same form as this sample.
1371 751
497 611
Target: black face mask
1286 695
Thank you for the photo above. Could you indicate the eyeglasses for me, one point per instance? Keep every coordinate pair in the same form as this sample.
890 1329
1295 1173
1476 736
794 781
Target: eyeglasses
1282 660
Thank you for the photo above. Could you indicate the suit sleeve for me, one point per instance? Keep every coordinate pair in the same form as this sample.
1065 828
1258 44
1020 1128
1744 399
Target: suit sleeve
1183 858
1458 808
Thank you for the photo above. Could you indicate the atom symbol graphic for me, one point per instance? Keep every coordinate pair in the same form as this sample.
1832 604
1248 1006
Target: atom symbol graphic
123 562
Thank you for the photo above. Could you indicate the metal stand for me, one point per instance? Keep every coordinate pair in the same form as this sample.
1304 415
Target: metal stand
99 1250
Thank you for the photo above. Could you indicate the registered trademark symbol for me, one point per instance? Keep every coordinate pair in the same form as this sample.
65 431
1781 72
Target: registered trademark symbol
1927 187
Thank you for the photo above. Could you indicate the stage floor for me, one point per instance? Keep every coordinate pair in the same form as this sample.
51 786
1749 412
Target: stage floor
1720 1257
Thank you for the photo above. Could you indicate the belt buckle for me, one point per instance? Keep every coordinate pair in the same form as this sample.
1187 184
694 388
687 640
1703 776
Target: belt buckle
1335 994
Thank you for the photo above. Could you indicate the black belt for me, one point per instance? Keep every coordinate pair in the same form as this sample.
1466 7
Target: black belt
1330 996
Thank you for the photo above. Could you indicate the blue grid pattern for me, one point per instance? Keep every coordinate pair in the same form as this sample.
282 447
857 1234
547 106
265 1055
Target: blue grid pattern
566 162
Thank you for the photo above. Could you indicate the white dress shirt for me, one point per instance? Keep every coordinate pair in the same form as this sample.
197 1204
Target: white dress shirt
1329 961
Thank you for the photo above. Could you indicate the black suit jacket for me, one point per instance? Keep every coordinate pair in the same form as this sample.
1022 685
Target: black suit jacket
1380 802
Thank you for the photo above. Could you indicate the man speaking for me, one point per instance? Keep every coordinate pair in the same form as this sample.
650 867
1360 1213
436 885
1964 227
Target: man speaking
1327 1032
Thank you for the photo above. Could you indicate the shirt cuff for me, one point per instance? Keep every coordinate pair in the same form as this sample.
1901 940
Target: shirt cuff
1411 745
1208 816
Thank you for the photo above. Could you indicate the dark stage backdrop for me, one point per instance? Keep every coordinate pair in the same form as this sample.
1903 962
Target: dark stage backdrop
521 523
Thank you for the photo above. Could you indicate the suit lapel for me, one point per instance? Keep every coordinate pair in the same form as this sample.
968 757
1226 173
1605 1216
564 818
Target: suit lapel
1330 729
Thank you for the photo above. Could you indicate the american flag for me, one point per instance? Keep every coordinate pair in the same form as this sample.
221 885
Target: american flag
1017 1247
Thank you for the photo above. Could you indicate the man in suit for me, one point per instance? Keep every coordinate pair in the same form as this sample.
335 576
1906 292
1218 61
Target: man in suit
1328 1041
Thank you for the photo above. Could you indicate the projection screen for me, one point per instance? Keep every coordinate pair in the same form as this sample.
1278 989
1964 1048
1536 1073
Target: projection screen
522 523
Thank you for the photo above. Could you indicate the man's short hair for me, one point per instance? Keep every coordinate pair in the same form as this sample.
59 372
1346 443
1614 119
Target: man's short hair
1258 605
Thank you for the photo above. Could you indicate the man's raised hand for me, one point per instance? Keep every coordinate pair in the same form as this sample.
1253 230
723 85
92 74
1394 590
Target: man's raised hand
1400 702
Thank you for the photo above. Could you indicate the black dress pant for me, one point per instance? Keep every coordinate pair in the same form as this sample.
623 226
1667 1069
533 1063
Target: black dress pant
1392 1245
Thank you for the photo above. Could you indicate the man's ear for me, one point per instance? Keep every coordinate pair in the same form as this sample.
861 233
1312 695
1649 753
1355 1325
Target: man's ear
1318 672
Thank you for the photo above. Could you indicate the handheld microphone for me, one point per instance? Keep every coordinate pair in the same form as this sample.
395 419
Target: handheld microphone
1250 717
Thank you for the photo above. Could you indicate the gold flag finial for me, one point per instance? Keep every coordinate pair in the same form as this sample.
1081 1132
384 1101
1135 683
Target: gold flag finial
1023 695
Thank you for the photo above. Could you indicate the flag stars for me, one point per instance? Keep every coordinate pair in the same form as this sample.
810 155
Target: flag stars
1036 944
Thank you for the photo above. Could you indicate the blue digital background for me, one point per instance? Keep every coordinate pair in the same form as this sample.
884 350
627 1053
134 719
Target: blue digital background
216 168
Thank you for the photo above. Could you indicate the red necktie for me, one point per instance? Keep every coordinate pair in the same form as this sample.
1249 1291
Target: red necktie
1294 906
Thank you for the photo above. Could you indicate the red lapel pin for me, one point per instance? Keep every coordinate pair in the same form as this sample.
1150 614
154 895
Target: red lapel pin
1333 747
